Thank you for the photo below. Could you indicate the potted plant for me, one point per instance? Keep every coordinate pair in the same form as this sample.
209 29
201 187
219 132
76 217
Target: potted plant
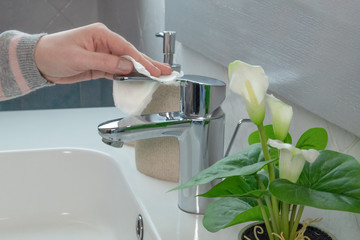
273 179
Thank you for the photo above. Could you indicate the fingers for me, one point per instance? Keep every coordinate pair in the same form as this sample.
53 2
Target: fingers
164 67
139 57
119 46
113 64
107 63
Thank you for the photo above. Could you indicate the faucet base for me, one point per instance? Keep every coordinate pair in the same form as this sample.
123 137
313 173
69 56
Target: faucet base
200 147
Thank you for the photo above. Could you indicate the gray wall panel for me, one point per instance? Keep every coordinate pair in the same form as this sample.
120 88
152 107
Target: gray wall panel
310 50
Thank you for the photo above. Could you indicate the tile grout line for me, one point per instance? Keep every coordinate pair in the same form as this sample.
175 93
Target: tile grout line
58 13
332 137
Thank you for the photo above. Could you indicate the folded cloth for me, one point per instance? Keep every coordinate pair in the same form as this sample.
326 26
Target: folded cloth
132 97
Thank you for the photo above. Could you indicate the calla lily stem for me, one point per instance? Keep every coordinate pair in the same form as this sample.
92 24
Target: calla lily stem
263 140
274 224
293 214
285 219
296 223
275 204
265 149
266 219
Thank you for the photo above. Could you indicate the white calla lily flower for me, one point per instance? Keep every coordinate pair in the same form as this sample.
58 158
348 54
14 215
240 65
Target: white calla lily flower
292 159
251 83
281 115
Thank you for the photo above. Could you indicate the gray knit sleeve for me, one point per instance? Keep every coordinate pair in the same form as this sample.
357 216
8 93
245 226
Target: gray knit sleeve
18 72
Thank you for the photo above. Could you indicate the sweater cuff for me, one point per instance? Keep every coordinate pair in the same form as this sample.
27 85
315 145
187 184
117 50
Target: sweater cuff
26 59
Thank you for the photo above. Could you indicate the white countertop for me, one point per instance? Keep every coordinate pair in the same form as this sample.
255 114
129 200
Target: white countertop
77 128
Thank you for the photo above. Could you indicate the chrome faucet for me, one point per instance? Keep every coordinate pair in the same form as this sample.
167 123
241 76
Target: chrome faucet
199 127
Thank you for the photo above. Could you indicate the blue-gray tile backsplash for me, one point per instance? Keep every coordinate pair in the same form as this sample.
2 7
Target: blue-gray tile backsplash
95 93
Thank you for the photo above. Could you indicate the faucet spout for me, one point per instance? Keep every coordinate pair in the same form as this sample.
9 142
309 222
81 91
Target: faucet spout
143 127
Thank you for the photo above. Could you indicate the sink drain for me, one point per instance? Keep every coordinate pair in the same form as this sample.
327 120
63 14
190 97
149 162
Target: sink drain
139 227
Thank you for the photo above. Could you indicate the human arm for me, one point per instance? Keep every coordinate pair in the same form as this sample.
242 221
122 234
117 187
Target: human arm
89 52
29 62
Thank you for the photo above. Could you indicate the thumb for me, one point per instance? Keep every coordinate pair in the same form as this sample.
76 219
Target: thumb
107 63
124 66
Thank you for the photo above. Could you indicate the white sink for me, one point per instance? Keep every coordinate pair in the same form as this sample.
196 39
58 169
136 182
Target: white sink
66 194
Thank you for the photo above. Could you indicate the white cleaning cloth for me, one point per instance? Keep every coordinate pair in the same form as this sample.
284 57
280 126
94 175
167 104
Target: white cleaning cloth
133 97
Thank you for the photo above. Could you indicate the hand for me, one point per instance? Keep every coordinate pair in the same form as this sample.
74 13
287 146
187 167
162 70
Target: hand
89 52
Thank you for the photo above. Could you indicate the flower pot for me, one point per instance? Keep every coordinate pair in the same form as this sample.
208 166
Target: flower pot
314 233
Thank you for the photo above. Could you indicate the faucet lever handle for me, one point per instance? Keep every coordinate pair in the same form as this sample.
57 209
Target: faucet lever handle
200 95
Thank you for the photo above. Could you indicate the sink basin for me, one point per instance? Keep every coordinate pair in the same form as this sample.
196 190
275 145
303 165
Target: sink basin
66 194
72 192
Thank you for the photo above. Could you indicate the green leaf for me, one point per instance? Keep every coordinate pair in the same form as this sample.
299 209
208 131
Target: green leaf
332 182
236 186
227 212
247 162
314 138
269 132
